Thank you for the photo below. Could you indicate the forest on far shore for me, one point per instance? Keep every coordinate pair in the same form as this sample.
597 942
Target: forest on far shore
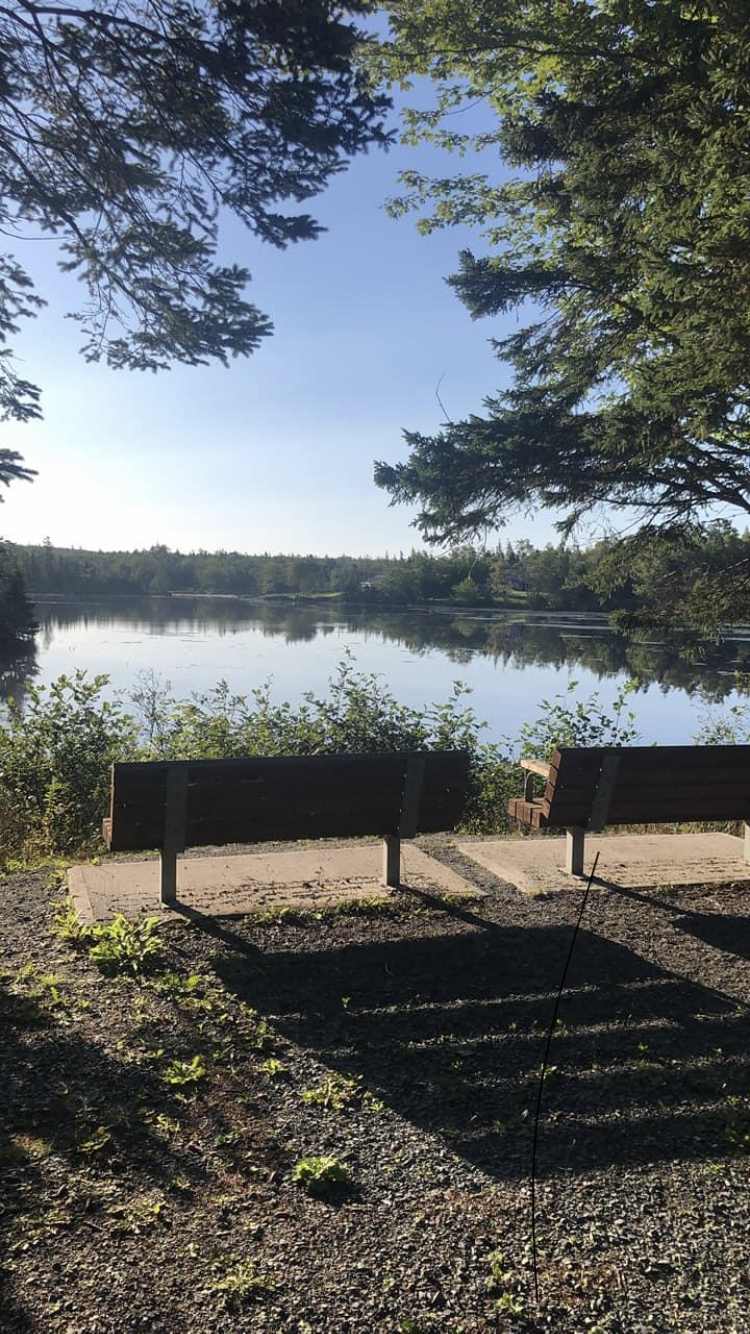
553 577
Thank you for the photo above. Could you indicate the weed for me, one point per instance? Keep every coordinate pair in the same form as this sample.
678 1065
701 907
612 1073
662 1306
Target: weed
190 992
126 947
122 946
241 1281
333 1094
95 1142
182 1073
510 1305
273 1068
67 925
138 1216
320 1176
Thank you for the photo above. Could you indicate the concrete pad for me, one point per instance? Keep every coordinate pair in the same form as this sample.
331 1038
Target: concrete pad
632 861
314 878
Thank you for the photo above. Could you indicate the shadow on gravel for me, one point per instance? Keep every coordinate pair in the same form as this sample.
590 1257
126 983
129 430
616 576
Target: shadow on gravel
449 1030
67 1107
729 934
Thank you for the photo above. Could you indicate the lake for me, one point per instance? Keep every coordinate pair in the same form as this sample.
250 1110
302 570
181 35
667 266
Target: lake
511 661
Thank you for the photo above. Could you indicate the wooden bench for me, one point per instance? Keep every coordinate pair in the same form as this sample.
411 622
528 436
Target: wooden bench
199 803
588 788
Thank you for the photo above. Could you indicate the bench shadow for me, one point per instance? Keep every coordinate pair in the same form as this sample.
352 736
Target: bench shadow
67 1106
449 1031
730 934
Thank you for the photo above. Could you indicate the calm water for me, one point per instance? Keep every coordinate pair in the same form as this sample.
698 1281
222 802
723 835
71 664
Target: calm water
511 662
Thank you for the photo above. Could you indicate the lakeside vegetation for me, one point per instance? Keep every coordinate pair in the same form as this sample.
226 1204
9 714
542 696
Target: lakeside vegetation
514 575
57 747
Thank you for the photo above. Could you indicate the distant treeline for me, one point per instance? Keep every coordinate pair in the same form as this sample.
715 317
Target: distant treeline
514 575
556 578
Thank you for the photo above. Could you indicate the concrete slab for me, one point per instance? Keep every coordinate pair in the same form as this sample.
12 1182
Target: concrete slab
316 877
632 861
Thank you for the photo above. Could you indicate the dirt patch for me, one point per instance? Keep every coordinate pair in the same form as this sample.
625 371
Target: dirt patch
151 1127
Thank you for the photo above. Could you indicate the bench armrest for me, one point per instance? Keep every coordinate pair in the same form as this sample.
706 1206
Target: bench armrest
533 767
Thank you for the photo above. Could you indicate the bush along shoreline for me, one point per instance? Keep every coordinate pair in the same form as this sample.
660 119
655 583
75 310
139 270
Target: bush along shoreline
58 745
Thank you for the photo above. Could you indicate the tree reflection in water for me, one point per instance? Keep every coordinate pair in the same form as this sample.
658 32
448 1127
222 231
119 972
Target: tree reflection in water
516 640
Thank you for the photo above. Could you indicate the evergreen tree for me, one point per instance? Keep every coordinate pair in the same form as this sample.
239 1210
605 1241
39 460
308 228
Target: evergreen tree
618 227
125 129
17 625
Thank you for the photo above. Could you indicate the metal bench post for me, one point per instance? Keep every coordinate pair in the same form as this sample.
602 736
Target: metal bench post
175 818
392 861
574 841
408 821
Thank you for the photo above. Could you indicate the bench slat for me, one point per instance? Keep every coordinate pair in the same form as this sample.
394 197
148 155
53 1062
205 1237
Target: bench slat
654 785
268 798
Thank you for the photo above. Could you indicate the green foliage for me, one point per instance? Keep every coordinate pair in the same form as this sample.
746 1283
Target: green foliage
67 925
333 1094
55 757
274 1068
124 947
241 1281
128 127
568 721
321 1176
185 1073
617 228
17 624
138 1216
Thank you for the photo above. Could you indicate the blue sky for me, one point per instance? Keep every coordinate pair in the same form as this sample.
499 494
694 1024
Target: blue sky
276 452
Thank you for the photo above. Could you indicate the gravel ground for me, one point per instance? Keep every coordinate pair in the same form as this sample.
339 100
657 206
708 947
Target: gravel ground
132 1203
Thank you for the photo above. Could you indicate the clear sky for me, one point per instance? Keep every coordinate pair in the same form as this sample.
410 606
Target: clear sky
276 452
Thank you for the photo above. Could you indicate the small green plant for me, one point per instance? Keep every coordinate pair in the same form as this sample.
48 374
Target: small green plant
273 1068
184 1073
126 947
510 1305
67 925
95 1142
320 1176
241 1281
189 992
121 946
333 1094
138 1216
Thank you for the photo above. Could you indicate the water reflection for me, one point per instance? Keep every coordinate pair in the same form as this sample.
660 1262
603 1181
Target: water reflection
17 669
561 642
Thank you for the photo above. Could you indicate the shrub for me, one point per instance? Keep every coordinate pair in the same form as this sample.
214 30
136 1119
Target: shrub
567 721
56 753
55 758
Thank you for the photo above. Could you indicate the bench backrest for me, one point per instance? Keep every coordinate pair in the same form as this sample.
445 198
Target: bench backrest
654 784
264 799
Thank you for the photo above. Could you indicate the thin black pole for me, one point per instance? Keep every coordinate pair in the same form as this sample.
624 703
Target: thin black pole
541 1079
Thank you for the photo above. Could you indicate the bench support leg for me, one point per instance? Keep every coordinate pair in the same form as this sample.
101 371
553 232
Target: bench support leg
747 842
574 839
392 861
168 876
